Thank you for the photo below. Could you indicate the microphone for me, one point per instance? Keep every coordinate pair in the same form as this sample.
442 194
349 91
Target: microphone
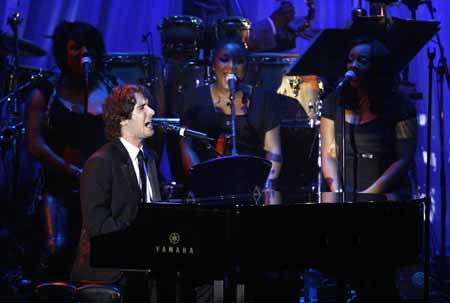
232 80
182 131
86 62
349 76
160 121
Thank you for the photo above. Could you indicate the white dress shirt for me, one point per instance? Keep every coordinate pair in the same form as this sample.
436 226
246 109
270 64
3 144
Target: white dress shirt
133 152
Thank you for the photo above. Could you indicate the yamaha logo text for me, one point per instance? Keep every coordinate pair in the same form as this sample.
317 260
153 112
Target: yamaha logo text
173 248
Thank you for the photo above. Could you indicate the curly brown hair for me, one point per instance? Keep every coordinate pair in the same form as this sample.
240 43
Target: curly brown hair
119 105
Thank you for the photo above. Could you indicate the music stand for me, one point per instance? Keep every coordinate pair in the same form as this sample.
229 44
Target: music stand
326 56
228 176
407 37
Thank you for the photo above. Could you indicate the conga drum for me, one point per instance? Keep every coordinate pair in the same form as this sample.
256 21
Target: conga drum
307 90
181 36
139 68
233 26
267 69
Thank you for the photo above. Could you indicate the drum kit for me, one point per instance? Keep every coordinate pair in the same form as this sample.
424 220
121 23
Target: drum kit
185 64
16 81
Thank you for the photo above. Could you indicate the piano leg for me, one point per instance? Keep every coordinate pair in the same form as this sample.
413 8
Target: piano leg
240 293
341 290
178 289
218 291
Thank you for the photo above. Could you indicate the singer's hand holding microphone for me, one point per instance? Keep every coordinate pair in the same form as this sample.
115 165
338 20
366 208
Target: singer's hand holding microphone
171 125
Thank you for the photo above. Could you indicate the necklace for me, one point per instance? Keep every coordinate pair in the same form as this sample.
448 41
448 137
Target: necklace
220 97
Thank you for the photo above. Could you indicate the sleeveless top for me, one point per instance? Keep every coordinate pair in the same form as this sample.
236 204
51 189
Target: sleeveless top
70 132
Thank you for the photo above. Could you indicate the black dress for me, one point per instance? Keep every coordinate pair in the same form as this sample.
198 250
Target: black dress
66 132
373 146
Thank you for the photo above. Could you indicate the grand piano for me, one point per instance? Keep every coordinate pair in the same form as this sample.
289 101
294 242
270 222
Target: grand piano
337 233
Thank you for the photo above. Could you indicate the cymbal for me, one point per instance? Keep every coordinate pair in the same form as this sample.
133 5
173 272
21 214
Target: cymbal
26 47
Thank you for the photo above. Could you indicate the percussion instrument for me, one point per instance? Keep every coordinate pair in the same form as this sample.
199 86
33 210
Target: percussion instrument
139 68
181 36
135 68
233 26
267 69
305 89
23 75
26 47
300 147
188 74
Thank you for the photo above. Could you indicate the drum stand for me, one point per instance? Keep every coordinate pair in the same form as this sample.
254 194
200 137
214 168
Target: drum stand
315 123
14 127
10 136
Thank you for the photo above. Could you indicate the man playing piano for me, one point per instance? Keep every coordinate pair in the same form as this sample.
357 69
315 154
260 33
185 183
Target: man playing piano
115 181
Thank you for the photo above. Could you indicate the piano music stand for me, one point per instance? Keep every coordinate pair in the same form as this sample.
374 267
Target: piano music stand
229 176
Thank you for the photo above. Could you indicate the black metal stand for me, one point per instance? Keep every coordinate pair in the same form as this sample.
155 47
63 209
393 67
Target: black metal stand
441 104
431 56
442 76
343 166
233 123
14 114
86 93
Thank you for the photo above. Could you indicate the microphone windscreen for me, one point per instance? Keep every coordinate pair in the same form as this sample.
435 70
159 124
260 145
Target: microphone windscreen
231 77
350 74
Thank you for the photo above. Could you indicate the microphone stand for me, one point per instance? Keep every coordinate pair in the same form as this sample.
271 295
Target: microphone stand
316 124
343 166
14 110
431 55
233 122
442 76
442 70
86 92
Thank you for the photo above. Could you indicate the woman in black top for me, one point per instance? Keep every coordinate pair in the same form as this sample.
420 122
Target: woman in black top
380 126
207 109
380 142
62 137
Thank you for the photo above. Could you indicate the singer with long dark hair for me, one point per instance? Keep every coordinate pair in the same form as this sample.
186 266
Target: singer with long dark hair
62 137
380 143
380 125
207 109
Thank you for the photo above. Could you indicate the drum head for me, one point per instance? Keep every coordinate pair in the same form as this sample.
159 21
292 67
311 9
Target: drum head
233 26
267 69
181 36
134 68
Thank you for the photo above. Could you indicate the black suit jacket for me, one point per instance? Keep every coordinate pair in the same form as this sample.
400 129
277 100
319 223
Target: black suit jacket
110 197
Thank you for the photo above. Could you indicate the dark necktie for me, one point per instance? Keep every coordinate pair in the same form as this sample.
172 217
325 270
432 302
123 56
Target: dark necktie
142 176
